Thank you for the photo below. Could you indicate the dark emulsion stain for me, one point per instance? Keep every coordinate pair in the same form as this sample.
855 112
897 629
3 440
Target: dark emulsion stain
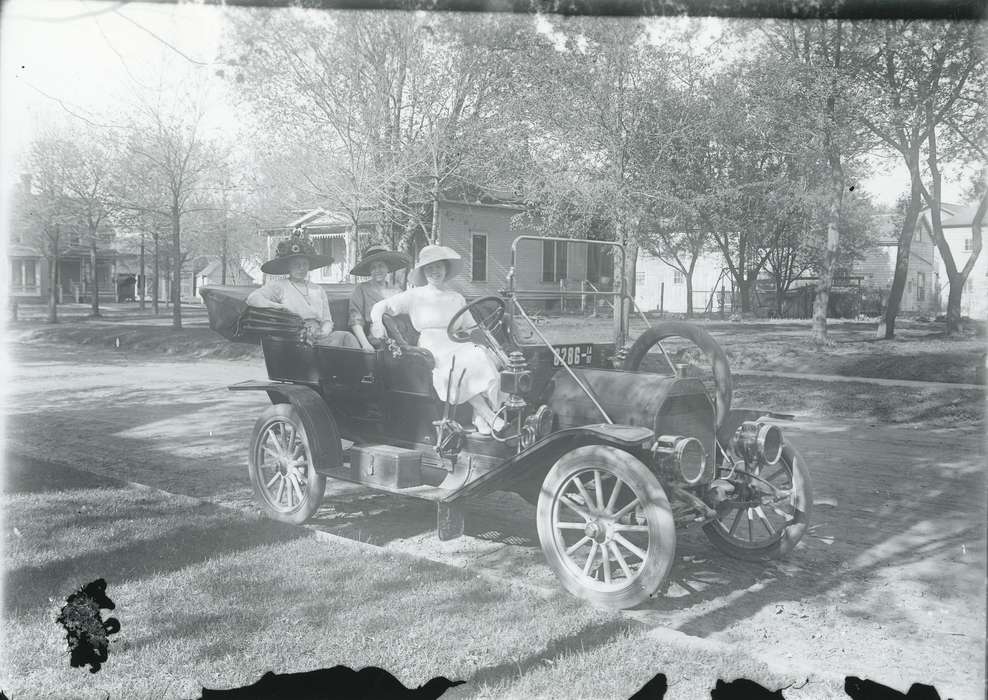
336 682
85 630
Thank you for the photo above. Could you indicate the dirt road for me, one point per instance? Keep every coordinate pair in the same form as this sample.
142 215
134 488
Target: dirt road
889 584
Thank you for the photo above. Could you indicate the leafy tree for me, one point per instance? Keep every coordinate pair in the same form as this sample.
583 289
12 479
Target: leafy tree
925 86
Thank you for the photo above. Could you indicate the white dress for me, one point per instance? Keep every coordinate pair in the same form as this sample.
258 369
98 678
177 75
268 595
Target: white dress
430 310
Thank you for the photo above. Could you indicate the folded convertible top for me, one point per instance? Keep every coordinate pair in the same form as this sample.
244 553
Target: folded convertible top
230 316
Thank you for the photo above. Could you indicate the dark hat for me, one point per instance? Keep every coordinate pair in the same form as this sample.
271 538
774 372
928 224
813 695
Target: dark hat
378 253
295 247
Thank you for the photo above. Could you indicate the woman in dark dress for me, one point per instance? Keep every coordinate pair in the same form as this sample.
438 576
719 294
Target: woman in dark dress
377 263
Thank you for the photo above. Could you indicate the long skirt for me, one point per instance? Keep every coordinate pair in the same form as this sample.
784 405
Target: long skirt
474 371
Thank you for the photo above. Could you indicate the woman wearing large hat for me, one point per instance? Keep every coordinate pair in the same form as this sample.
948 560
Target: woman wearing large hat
294 257
430 307
377 262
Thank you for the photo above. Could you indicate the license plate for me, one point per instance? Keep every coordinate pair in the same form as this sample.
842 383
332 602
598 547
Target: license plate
574 355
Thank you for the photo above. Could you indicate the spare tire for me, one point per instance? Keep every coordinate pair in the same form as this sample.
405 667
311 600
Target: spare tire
724 386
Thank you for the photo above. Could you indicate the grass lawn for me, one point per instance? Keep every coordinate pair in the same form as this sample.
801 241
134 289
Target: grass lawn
214 597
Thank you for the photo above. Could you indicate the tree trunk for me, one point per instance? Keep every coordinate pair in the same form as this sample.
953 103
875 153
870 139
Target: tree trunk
744 289
176 295
53 285
821 299
144 280
434 234
689 293
954 303
902 255
958 278
223 261
157 284
94 303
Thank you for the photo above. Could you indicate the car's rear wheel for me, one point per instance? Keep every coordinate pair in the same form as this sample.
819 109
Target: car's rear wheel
606 526
281 471
767 510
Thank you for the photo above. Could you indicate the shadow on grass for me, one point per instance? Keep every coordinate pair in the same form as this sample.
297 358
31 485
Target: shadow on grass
24 475
190 535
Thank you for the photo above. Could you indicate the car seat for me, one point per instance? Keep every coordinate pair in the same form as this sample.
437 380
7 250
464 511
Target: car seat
401 331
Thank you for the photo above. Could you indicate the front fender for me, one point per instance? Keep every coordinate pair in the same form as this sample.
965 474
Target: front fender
526 470
320 426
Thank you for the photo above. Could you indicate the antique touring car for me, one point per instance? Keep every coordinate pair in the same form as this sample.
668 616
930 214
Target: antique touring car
613 457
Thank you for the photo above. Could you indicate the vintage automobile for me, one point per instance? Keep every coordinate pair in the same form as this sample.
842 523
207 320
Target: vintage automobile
613 457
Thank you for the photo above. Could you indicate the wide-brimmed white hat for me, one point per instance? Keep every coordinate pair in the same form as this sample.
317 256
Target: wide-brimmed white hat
436 253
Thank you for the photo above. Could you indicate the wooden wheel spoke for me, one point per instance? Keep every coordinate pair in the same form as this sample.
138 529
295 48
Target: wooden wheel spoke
273 479
621 527
281 491
621 562
634 549
765 521
751 537
297 488
590 558
605 554
626 509
272 453
780 512
580 543
563 525
737 519
612 501
583 491
573 506
599 488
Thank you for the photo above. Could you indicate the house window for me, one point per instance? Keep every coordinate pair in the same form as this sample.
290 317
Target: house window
553 261
479 257
968 244
23 273
324 245
677 277
920 286
600 263
639 278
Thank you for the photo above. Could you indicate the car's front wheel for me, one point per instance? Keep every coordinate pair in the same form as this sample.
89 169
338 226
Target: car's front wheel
281 471
767 511
606 527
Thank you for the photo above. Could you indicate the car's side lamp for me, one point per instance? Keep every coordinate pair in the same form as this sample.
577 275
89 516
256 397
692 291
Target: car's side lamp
516 379
754 440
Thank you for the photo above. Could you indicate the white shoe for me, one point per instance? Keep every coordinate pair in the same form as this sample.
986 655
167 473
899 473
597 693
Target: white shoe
482 426
498 425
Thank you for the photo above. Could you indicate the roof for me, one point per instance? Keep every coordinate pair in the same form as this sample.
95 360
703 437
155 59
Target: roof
17 250
954 215
962 217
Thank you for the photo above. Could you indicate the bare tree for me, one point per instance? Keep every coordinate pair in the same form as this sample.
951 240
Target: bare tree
171 167
89 163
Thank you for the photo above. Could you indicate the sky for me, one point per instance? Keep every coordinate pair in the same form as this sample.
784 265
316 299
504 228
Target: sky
62 57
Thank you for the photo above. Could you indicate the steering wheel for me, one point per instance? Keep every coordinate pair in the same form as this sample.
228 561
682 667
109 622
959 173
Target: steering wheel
487 323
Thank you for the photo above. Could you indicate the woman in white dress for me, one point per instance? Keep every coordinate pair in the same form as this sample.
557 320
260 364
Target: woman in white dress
431 306
294 257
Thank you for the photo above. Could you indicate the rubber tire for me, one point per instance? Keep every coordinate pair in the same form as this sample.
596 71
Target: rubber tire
658 514
703 340
789 537
315 483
